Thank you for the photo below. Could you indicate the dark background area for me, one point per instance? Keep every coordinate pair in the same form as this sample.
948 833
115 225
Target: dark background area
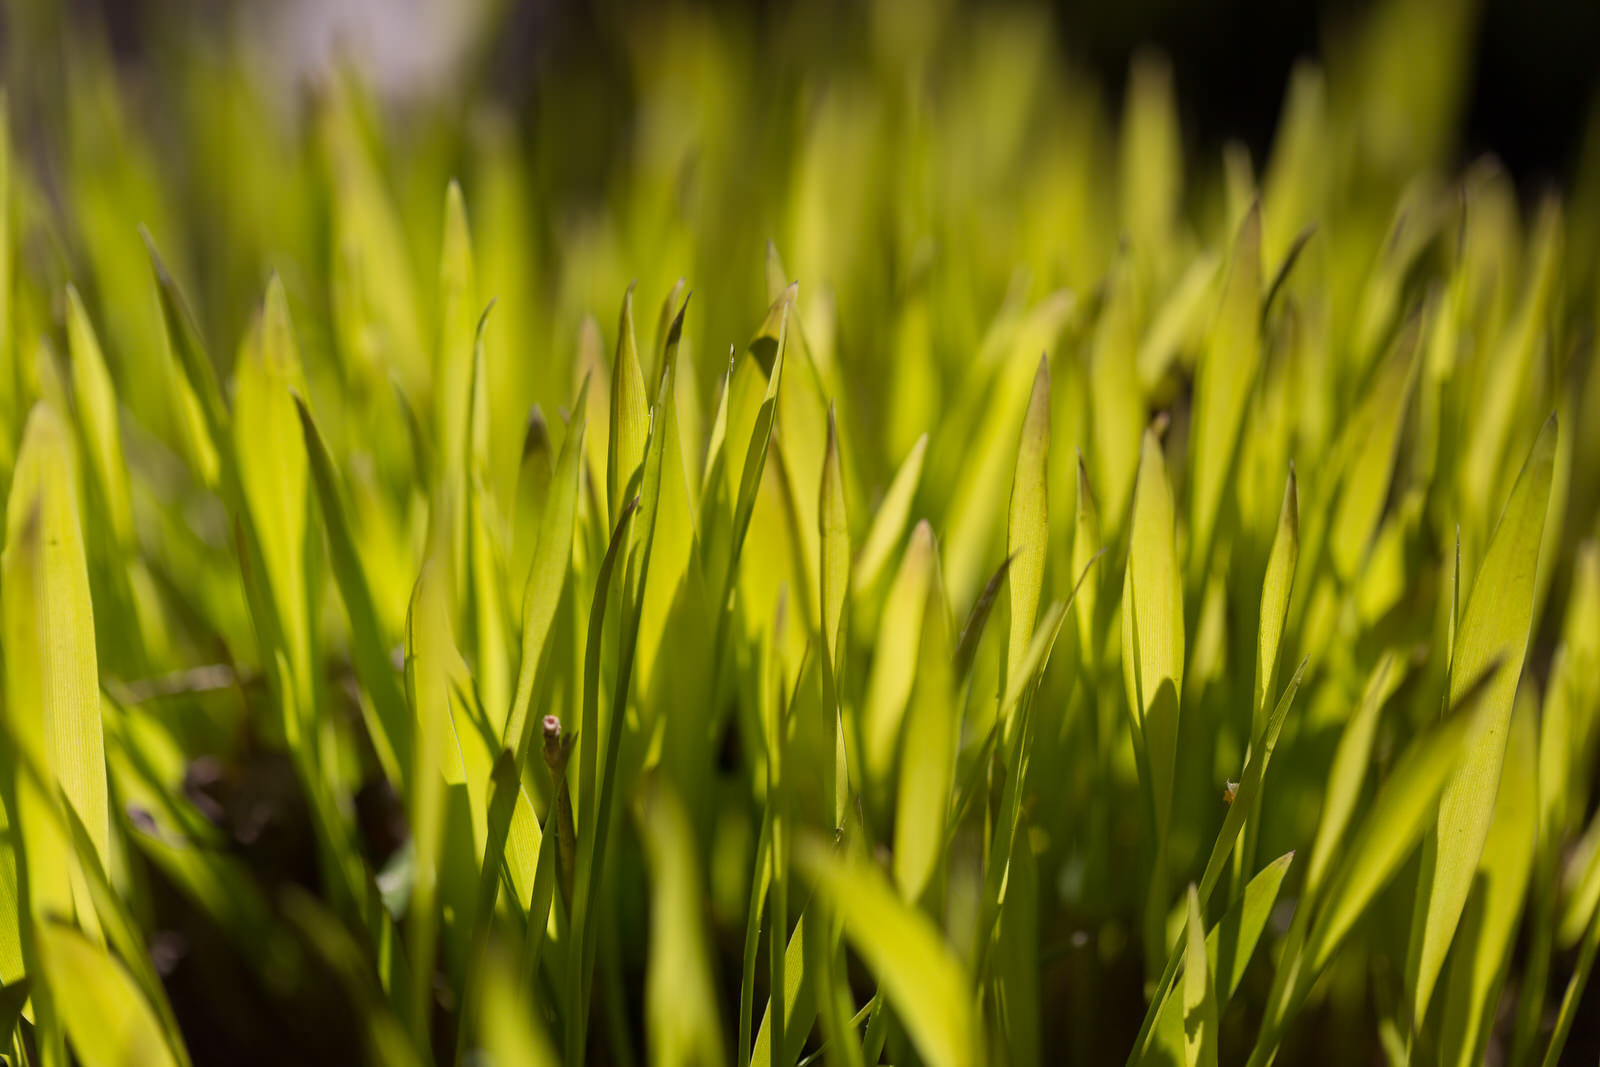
1533 84
1531 89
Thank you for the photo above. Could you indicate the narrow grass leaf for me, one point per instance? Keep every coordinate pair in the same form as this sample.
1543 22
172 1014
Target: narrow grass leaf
1494 628
889 522
681 1014
1027 529
924 983
1225 375
1199 994
107 1020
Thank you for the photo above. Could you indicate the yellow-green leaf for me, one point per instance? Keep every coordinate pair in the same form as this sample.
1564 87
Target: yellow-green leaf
107 1020
1152 624
1199 994
1489 926
1494 628
630 412
1223 380
894 663
1366 487
1275 592
1027 531
889 524
52 683
97 410
924 982
928 750
681 1017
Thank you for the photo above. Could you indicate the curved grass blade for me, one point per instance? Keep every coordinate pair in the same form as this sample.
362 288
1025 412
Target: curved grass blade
52 686
889 523
390 727
1494 628
547 577
1230 944
107 1020
1223 380
1027 528
1481 961
680 996
923 981
1199 994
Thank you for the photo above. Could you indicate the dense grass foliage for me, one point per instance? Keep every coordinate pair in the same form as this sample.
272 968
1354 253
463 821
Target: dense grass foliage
1119 602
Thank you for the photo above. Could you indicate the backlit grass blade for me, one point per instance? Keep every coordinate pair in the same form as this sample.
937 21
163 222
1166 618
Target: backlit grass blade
183 336
800 989
107 1021
438 767
1152 622
1199 994
1366 486
507 1029
52 688
834 536
1229 945
1400 814
1152 657
1027 529
630 412
925 984
390 727
1085 546
1246 804
1275 592
1494 908
453 364
547 576
1494 628
268 443
1117 408
1224 377
1349 768
97 412
927 752
595 784
977 620
894 666
889 523
123 936
681 1004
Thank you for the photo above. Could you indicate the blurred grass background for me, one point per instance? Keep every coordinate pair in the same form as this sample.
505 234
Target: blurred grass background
934 159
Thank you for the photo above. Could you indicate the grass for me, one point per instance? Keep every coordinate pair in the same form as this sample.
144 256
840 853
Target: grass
400 665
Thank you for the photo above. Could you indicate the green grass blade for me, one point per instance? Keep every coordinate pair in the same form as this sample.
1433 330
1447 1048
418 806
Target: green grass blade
107 1020
390 726
1366 486
1489 926
1199 994
547 577
1230 944
1224 378
1027 529
630 412
923 981
928 753
889 523
1349 769
52 691
895 664
680 996
1494 627
97 412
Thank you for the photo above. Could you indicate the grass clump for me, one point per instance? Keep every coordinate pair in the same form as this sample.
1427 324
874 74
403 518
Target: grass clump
400 665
